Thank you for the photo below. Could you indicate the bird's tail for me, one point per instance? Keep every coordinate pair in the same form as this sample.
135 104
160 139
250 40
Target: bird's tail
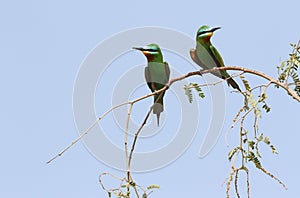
230 80
158 107
233 84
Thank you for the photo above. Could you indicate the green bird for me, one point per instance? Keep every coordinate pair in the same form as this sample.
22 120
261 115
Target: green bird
157 75
207 56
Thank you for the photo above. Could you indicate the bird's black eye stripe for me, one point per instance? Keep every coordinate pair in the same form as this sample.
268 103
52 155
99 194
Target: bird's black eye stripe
204 32
151 50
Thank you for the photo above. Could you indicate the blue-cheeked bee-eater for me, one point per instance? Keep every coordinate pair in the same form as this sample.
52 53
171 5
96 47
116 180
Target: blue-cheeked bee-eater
207 56
157 75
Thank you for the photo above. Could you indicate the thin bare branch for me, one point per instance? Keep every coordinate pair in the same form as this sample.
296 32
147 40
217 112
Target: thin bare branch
141 127
201 72
274 177
86 131
126 143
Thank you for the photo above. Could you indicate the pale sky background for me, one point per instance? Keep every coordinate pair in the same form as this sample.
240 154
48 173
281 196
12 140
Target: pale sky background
42 45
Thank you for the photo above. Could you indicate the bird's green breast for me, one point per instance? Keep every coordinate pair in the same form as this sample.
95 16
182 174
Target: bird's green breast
157 73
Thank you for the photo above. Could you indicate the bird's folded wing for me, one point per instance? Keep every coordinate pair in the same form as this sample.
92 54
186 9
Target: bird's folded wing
167 69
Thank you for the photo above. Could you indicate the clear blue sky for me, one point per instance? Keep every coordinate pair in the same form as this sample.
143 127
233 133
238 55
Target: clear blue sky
42 46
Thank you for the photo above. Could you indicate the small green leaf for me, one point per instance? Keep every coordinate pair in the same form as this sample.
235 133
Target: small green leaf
188 93
260 138
153 186
266 108
246 83
232 152
267 140
252 158
201 95
251 144
274 150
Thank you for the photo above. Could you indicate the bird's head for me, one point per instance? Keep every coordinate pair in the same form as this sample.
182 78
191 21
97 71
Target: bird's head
205 32
152 52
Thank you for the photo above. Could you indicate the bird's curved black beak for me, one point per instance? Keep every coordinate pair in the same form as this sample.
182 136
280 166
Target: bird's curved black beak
138 48
214 29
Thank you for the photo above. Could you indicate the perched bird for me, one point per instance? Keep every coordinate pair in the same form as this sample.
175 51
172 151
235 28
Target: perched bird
157 74
207 56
